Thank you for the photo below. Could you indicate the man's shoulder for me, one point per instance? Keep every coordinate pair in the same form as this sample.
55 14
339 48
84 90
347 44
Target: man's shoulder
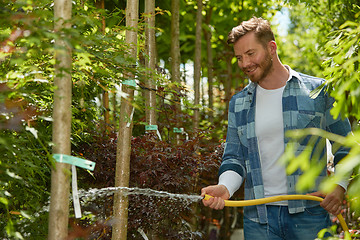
238 100
311 81
242 93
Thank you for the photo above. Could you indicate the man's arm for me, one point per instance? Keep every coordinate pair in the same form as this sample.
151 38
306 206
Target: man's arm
229 183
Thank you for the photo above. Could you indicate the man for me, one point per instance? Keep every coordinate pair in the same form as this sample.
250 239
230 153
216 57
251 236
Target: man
276 100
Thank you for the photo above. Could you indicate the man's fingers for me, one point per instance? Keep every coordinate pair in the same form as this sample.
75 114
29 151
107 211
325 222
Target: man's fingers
208 203
332 205
317 194
214 203
219 193
203 192
218 203
334 209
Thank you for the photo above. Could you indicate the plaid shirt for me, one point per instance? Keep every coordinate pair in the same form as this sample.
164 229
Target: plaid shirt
241 152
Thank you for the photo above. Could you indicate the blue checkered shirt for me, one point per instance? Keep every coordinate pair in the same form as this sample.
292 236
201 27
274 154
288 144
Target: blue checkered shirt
241 152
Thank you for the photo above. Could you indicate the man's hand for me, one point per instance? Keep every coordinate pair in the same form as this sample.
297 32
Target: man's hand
333 201
219 193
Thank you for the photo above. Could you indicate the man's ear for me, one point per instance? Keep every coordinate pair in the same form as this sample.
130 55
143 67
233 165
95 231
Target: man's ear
272 47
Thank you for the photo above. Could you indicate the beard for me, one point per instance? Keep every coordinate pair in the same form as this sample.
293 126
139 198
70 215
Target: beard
264 68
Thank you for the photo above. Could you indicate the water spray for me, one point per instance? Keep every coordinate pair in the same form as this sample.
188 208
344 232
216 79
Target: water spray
243 203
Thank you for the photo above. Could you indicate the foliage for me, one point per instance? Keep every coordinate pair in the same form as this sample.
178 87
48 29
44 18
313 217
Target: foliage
338 53
348 168
311 24
160 166
342 69
223 16
99 64
301 47
24 183
26 81
175 169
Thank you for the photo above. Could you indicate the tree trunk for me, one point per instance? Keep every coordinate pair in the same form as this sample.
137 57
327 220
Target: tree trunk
60 174
122 171
106 102
101 5
197 76
114 109
150 61
228 82
175 58
106 106
197 64
210 65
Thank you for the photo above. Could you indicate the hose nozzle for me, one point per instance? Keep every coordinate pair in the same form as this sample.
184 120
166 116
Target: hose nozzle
207 197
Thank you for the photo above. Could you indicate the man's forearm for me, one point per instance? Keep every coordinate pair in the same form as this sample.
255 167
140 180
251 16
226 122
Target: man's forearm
231 180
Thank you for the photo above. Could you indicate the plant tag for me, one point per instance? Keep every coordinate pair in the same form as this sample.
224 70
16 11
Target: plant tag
151 127
178 130
79 162
130 82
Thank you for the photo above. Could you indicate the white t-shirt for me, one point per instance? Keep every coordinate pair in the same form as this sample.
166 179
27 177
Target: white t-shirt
269 130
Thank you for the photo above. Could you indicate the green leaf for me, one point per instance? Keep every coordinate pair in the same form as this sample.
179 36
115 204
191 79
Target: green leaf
315 93
349 24
4 201
322 233
24 214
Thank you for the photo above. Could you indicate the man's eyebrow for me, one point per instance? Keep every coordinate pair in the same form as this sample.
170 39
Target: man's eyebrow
250 50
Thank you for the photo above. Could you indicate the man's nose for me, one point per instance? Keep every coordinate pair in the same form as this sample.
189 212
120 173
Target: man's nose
244 63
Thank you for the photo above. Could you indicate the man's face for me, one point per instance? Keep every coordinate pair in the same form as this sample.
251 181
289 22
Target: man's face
253 58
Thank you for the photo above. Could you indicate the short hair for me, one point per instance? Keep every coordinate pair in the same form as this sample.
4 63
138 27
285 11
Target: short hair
259 26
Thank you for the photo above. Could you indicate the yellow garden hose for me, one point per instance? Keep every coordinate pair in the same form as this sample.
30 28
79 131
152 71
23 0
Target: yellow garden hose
231 203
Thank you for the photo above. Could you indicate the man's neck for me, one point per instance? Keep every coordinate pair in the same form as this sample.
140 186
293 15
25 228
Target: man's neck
277 78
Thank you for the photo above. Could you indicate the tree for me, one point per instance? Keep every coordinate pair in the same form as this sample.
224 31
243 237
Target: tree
197 63
123 150
210 63
150 62
60 182
105 96
175 59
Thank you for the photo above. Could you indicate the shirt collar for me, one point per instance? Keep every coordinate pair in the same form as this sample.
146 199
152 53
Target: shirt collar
292 74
